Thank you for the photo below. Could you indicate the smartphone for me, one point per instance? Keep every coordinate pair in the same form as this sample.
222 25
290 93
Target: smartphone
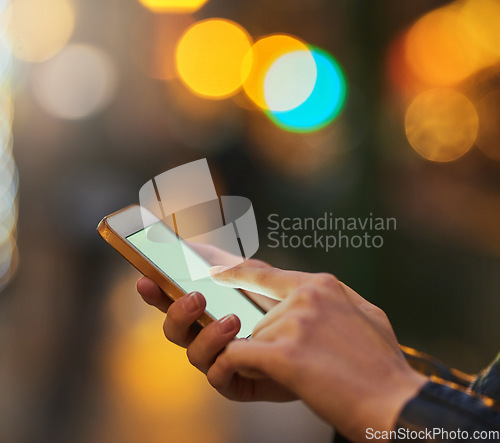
165 262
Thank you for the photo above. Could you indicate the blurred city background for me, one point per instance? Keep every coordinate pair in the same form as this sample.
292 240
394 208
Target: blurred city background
348 107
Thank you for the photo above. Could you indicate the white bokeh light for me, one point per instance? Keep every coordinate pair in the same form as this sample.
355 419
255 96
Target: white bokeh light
39 29
79 82
9 179
290 80
5 57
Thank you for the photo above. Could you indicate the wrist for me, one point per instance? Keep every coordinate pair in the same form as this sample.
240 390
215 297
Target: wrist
383 403
407 387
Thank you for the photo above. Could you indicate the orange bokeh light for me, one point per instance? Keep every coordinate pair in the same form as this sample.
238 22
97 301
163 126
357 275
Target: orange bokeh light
488 140
440 49
441 125
482 19
259 60
173 6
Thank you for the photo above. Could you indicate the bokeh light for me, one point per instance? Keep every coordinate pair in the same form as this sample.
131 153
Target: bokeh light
488 140
440 50
323 104
290 81
5 57
142 405
441 124
259 62
209 57
9 179
40 29
482 17
77 83
173 6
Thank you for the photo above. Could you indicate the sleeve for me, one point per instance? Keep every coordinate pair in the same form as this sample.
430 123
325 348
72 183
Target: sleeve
441 410
452 402
430 366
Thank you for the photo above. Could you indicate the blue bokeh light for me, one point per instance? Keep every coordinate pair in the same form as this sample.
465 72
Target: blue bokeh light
325 102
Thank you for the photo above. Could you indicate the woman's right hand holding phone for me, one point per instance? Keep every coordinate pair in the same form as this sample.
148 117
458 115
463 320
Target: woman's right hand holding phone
205 344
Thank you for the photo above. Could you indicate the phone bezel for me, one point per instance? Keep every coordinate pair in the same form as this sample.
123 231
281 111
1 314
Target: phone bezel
116 227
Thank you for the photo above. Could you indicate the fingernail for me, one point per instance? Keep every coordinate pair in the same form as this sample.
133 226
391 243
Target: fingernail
193 302
216 269
227 324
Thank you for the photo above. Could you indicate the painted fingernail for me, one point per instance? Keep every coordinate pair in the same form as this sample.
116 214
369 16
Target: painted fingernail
227 323
193 302
217 269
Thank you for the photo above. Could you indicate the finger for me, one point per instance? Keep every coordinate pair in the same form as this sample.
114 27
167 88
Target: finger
266 322
299 299
181 315
266 303
216 256
152 294
263 301
204 349
232 361
272 282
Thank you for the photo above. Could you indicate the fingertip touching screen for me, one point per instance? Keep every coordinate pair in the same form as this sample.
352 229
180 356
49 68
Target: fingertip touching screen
169 254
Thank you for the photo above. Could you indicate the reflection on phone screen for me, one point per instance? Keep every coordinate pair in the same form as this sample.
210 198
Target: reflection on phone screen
170 255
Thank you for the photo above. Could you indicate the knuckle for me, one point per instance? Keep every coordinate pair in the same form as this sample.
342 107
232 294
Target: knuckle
172 334
306 296
326 280
167 330
173 312
214 381
193 357
299 327
214 376
302 322
381 314
288 351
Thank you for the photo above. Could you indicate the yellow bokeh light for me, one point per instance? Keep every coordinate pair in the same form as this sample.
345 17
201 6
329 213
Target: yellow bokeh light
265 52
209 57
144 350
153 392
483 19
440 49
441 125
173 6
39 29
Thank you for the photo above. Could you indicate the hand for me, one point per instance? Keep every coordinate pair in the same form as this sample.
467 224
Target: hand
204 345
326 344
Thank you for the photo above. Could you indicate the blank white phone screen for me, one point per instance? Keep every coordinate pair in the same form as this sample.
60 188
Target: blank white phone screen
167 253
